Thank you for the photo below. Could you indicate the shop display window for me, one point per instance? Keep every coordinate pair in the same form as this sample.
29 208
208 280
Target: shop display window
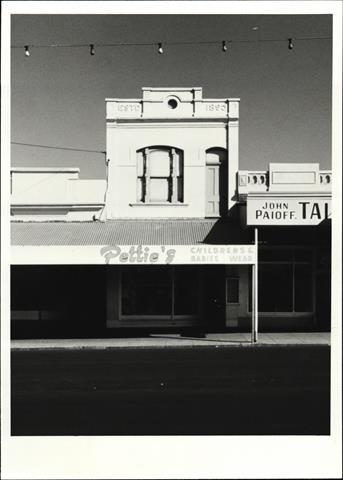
146 291
275 288
185 291
285 281
302 288
159 291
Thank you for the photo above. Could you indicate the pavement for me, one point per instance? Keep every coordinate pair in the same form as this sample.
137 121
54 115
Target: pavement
176 340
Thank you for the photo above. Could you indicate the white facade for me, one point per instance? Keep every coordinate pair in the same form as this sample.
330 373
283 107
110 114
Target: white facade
171 154
41 194
172 181
175 118
285 178
288 194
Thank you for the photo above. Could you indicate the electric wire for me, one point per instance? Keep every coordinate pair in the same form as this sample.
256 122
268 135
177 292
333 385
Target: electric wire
138 44
54 147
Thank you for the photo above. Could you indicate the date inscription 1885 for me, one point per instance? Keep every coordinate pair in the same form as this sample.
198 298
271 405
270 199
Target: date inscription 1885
215 107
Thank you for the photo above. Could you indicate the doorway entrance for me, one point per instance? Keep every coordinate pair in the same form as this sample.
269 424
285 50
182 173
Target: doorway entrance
214 302
216 182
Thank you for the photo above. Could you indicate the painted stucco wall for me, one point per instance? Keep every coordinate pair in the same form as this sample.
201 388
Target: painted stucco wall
41 194
193 126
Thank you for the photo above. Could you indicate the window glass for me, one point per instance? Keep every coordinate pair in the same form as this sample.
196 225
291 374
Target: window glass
146 291
159 163
159 189
140 189
285 287
185 290
301 255
324 258
178 164
160 175
275 288
275 254
303 288
180 189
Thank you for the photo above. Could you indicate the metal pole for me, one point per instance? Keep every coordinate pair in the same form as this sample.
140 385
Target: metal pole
252 303
256 289
173 292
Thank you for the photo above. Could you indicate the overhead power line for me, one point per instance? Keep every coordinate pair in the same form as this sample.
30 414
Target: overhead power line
223 43
143 44
59 148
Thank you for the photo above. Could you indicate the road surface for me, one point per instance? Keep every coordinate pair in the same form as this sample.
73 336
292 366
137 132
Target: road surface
172 391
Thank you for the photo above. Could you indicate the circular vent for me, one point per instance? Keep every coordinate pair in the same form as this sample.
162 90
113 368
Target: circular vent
172 103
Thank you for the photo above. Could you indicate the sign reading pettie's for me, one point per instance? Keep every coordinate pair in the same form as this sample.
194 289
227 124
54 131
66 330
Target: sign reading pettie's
141 255
288 210
179 254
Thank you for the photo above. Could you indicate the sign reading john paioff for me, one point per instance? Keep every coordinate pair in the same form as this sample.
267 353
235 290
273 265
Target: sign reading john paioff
288 211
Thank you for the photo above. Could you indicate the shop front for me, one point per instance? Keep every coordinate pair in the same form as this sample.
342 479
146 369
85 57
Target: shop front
90 300
100 288
166 296
77 279
169 239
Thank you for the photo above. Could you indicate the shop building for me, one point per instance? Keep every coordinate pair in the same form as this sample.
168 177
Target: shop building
167 240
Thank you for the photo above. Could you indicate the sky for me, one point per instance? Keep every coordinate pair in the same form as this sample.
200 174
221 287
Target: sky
58 95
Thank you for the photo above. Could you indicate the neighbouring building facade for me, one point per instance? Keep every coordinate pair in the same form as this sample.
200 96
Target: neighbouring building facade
167 240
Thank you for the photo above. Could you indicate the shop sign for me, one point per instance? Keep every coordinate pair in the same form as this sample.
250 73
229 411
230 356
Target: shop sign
200 254
288 210
179 254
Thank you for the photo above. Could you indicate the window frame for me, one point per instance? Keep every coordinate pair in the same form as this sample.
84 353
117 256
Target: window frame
170 319
293 262
175 186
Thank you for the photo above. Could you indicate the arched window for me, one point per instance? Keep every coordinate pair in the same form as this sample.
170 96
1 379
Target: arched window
160 175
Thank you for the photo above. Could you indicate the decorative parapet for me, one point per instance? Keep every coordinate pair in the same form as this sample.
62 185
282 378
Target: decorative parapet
173 103
325 177
252 181
284 178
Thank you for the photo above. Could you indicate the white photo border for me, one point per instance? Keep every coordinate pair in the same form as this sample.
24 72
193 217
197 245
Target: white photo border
174 457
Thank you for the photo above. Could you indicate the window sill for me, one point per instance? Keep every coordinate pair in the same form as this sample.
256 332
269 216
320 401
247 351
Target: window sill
158 204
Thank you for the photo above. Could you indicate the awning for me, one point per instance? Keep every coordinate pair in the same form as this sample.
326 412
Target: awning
191 241
128 232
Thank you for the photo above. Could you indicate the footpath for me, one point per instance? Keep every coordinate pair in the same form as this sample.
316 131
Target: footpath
176 340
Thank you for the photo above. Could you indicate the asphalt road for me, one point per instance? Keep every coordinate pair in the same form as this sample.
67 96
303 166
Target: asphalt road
175 391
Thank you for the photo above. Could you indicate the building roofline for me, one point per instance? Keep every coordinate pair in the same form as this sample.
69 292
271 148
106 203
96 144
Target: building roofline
117 99
168 89
45 169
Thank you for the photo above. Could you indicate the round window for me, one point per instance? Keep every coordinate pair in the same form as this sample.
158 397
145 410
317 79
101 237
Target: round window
172 103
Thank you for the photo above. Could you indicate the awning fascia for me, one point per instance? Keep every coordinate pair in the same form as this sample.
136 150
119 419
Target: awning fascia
200 254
